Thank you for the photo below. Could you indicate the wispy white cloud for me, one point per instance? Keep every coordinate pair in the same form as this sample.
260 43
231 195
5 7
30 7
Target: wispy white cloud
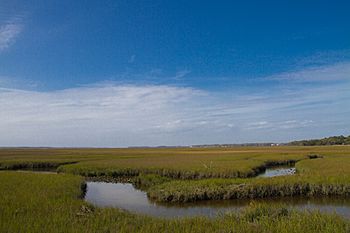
279 125
180 74
13 82
333 72
8 33
323 58
111 114
122 115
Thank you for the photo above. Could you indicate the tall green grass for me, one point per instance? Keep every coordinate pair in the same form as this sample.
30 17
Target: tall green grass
319 175
32 165
320 170
218 189
176 163
51 203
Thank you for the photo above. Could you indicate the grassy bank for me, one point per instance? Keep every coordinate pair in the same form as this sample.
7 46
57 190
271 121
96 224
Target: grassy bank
218 189
190 174
51 203
176 163
50 165
326 176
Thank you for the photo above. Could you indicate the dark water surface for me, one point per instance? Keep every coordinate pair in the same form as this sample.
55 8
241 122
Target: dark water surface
125 196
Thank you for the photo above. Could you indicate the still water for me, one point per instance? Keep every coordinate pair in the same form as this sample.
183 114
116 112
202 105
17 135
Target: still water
278 171
125 196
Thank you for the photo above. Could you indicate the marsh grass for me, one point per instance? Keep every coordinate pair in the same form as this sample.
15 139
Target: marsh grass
176 163
145 181
224 189
51 203
191 174
32 165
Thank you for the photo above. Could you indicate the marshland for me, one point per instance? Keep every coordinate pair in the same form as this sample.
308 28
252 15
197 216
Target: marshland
125 116
211 189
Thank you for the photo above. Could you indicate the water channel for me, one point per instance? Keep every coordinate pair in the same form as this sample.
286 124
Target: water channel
125 196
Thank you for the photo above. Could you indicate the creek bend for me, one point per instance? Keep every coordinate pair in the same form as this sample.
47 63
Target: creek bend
126 197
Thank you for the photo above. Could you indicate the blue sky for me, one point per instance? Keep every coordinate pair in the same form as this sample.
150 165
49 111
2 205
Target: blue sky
125 73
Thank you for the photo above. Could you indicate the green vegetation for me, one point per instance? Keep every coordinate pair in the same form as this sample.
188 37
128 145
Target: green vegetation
218 189
176 163
52 203
32 165
327 175
145 181
32 202
189 174
336 140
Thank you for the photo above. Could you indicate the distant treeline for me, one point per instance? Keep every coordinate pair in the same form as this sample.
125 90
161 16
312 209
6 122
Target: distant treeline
336 140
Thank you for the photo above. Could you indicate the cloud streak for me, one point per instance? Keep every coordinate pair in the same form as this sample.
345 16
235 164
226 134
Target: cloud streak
155 115
114 115
8 34
326 73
